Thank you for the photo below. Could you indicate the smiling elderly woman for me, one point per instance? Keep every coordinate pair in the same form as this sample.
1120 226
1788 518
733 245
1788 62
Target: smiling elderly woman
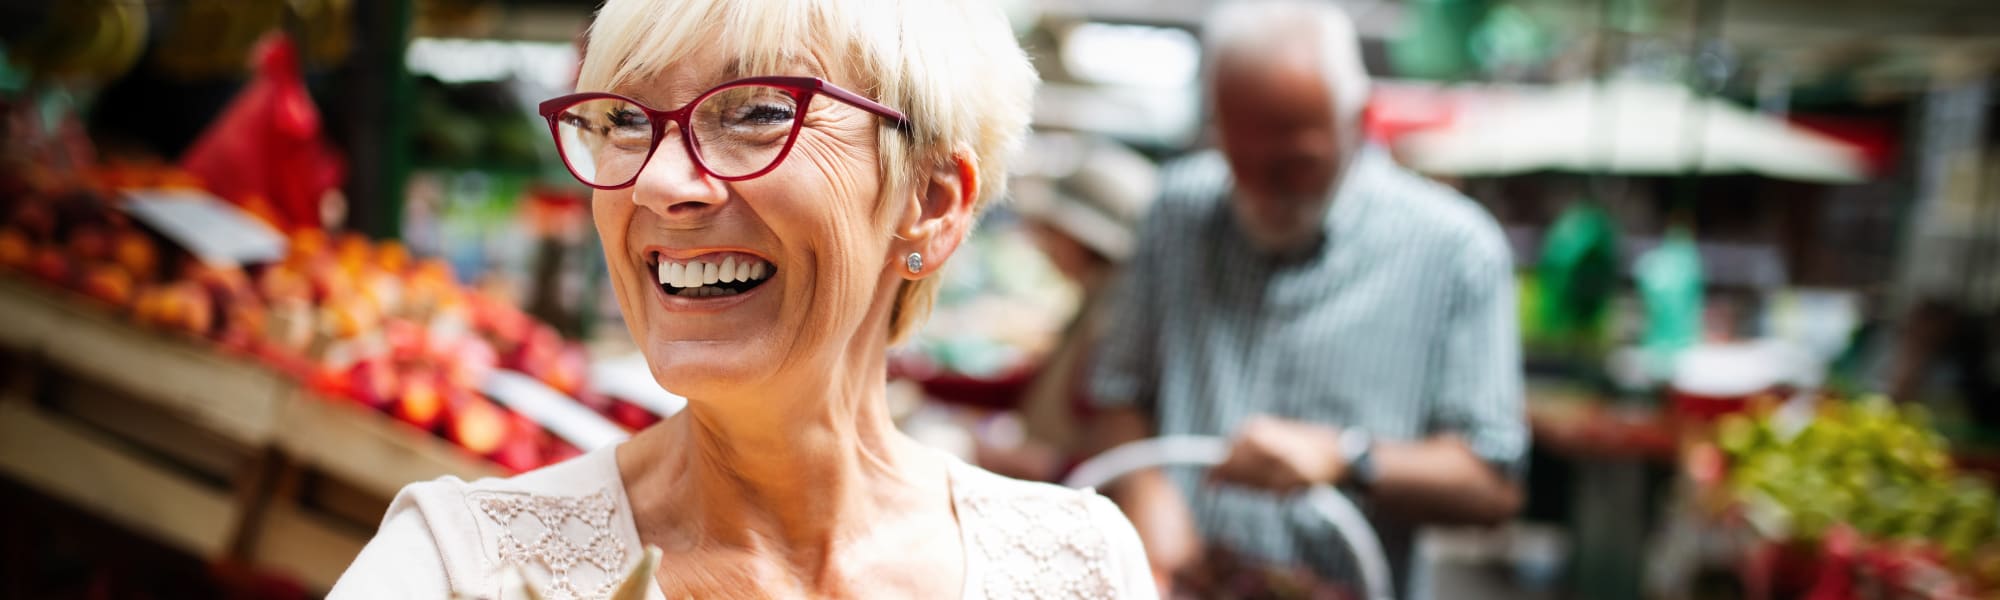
778 183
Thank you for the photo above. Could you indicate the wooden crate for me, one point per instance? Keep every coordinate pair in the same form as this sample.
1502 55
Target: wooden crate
164 435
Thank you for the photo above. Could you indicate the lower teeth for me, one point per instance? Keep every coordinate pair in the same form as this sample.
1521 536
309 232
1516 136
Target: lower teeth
704 292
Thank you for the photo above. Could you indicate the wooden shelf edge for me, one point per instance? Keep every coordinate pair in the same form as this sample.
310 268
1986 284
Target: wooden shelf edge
235 397
378 454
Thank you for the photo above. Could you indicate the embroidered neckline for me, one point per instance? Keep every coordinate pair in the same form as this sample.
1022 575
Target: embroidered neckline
559 533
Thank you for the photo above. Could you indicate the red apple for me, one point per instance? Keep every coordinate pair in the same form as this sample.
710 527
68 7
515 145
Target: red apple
560 451
596 401
373 382
89 243
630 416
471 363
537 353
526 447
404 337
36 218
519 454
567 370
51 265
244 324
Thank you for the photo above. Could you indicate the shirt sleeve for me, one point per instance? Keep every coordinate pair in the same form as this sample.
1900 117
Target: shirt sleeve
1479 391
401 561
1134 578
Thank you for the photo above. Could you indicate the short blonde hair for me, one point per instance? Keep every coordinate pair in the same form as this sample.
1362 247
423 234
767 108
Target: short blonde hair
1250 27
952 66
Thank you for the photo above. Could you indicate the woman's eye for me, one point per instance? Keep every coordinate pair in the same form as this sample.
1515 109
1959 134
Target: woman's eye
627 118
763 114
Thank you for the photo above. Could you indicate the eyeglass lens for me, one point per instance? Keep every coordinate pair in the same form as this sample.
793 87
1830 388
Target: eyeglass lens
738 131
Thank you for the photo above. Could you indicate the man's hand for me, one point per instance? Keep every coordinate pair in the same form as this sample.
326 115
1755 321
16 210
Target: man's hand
1281 456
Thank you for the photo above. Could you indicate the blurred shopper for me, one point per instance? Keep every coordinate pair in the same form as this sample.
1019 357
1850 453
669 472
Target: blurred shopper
1344 321
1083 208
769 233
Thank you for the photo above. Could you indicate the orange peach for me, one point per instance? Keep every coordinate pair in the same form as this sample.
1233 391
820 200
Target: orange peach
422 402
16 250
108 283
477 424
133 250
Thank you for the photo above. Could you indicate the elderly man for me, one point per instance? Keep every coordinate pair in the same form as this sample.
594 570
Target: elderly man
1345 322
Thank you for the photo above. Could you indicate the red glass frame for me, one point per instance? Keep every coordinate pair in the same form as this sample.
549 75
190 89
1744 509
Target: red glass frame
802 89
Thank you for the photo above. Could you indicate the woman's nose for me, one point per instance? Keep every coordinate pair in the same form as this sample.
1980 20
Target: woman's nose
673 186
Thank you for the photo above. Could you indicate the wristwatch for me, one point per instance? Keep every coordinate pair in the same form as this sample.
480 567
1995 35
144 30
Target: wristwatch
1357 449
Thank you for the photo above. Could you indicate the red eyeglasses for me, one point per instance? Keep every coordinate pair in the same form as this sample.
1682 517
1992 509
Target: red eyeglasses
736 131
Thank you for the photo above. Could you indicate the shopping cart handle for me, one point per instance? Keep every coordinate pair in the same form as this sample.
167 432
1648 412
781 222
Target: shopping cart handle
1206 451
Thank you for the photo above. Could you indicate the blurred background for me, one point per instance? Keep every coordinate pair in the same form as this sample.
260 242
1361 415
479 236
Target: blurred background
264 262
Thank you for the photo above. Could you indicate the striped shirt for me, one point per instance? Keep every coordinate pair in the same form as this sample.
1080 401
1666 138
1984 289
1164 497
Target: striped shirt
1401 323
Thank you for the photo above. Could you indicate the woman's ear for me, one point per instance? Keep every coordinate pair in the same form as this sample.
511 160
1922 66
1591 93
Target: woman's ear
943 207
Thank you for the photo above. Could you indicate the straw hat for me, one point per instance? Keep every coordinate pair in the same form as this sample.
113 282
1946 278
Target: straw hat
1091 189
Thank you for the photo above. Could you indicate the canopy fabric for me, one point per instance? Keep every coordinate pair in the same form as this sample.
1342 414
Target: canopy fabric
1623 127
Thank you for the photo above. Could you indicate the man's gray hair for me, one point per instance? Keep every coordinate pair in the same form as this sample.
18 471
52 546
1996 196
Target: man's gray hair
1245 28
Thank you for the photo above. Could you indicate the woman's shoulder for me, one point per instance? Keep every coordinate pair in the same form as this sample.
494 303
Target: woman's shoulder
567 527
1037 537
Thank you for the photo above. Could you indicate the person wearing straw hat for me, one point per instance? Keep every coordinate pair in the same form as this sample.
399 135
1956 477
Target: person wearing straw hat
1081 198
1343 321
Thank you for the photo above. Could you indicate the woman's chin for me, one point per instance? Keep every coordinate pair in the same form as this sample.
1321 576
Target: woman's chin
705 369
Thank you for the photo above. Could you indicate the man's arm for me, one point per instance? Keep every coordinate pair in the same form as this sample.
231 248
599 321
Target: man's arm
1440 480
1469 470
1434 480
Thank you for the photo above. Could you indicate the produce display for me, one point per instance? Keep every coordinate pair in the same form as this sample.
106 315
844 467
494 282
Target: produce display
347 316
1865 470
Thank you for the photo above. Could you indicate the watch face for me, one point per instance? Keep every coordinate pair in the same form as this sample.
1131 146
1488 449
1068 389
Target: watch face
1354 443
1355 447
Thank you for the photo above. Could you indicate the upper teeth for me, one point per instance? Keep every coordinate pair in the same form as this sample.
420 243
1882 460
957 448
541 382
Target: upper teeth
697 273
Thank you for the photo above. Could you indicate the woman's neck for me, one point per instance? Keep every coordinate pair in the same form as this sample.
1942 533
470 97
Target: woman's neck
798 477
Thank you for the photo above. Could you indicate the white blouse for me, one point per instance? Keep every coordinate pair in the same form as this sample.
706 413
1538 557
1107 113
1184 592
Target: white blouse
569 529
